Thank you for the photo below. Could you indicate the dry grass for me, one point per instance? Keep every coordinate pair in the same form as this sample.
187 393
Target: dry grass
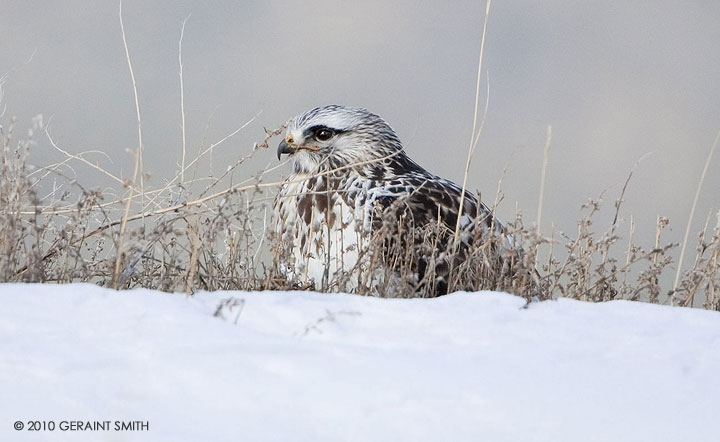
191 235
177 239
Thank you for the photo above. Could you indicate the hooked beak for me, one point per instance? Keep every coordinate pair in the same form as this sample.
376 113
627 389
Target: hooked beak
284 147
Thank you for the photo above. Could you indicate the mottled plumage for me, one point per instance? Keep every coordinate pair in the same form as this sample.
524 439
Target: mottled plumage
349 172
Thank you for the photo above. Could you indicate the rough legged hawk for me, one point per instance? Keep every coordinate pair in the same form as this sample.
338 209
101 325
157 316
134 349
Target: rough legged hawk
351 179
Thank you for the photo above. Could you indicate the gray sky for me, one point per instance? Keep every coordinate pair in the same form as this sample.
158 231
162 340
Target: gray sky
616 80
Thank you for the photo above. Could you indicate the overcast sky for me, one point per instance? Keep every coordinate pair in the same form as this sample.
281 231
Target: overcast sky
616 80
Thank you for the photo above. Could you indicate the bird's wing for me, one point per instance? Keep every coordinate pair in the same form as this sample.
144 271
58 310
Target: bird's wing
428 198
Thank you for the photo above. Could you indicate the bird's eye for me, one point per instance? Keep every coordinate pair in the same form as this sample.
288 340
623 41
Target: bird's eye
324 134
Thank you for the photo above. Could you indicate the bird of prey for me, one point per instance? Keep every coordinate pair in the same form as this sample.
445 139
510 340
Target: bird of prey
351 178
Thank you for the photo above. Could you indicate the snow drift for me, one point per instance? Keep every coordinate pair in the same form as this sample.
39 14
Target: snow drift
299 366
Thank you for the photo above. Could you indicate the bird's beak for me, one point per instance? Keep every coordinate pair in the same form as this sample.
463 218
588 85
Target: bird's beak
284 147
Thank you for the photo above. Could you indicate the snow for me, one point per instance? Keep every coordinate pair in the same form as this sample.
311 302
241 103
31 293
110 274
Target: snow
300 366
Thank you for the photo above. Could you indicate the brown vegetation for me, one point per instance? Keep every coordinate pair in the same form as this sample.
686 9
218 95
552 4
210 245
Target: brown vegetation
177 240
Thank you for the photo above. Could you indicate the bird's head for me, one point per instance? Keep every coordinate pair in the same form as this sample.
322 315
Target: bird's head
337 136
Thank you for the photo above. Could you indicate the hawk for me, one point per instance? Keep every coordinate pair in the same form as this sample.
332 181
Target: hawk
351 181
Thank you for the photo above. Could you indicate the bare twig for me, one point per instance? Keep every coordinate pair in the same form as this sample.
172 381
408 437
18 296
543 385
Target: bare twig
474 135
541 196
692 211
182 99
138 153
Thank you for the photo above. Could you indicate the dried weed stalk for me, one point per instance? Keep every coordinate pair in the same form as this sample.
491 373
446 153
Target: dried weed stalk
208 239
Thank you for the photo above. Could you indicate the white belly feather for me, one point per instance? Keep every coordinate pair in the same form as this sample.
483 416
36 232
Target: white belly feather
325 239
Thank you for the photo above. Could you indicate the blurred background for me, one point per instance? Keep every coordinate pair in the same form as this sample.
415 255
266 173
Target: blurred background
615 80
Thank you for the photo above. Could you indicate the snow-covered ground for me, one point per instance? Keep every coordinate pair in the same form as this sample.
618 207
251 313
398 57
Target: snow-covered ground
318 367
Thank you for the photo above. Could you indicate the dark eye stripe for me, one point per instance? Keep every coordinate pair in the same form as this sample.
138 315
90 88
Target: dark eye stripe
311 131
